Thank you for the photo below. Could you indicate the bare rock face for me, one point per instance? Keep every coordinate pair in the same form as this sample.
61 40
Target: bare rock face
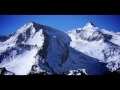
3 71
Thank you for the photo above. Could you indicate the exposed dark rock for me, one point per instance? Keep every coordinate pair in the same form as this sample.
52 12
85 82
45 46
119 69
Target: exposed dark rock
3 71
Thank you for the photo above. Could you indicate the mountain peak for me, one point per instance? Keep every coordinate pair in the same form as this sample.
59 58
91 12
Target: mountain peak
31 23
89 25
35 24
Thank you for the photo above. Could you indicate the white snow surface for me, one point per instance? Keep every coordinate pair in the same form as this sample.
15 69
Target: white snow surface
20 64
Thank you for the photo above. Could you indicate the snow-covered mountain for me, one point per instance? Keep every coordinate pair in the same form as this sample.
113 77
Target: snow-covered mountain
39 49
97 43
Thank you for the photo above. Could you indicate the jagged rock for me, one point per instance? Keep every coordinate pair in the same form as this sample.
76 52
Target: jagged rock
3 71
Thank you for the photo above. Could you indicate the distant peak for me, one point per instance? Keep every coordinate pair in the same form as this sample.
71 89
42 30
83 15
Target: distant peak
89 25
34 23
31 22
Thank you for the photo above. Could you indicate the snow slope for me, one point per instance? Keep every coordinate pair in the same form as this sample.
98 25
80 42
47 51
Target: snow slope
20 64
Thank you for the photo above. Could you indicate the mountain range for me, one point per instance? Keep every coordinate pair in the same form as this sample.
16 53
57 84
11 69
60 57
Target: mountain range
40 49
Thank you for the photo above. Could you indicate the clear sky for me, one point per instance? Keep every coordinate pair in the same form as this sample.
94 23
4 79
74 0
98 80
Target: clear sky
11 23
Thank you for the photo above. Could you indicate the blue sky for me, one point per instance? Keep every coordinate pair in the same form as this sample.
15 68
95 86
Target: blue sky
11 23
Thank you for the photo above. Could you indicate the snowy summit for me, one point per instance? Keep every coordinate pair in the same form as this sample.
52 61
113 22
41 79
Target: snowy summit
89 25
